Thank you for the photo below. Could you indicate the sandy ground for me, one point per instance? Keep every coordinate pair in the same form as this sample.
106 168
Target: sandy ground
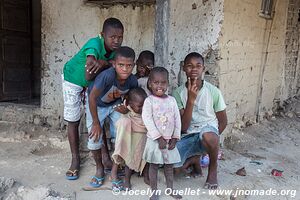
33 161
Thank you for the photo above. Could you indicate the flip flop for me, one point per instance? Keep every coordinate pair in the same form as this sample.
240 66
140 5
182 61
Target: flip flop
72 175
211 186
98 183
116 185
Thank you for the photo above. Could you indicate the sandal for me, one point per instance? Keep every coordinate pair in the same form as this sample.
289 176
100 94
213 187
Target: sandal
72 174
117 185
97 183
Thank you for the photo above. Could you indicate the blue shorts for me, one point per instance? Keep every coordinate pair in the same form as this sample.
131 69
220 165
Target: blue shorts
103 113
190 145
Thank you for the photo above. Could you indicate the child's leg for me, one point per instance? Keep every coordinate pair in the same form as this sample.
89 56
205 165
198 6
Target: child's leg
72 114
128 173
153 169
107 162
117 184
146 174
73 136
113 118
169 175
211 143
96 145
197 170
114 172
99 166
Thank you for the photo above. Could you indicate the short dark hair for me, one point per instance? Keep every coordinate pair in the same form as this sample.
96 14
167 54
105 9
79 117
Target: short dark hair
157 70
136 92
149 55
112 22
126 52
193 55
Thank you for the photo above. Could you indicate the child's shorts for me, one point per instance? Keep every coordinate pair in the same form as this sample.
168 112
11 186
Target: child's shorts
72 101
103 113
190 145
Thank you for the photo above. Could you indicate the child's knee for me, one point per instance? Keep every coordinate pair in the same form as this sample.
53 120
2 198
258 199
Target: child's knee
210 139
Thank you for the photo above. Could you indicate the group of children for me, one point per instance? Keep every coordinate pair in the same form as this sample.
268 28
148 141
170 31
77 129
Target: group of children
149 127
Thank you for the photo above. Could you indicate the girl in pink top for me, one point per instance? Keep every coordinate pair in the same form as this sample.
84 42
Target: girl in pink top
162 120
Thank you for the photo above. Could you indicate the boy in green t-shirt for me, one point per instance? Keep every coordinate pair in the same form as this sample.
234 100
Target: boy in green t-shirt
92 59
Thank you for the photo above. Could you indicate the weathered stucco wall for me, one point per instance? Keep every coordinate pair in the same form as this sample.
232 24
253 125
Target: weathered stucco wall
291 80
189 26
251 57
254 61
68 24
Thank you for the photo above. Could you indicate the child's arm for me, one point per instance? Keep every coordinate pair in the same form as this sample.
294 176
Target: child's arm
186 114
222 120
94 67
177 121
96 127
177 127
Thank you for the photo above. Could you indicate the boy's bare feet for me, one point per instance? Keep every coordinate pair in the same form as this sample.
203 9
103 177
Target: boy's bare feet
212 180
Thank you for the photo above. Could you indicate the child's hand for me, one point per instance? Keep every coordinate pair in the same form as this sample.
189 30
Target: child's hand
93 65
95 132
192 89
172 143
121 108
162 143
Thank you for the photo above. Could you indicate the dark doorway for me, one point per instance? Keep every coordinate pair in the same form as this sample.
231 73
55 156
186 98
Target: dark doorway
20 51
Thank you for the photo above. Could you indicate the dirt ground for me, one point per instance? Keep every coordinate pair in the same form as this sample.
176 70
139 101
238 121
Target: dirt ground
34 160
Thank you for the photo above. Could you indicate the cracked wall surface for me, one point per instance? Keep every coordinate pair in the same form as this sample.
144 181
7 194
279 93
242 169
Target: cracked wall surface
68 24
291 80
193 26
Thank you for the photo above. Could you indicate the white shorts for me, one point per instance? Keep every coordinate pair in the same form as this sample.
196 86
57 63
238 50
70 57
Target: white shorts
72 101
